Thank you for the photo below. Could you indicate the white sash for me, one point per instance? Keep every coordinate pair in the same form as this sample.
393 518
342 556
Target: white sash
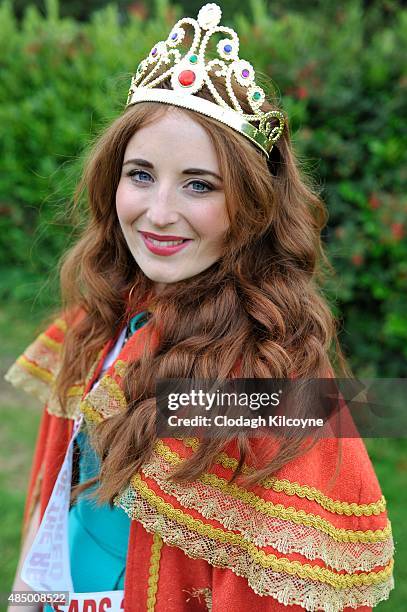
47 564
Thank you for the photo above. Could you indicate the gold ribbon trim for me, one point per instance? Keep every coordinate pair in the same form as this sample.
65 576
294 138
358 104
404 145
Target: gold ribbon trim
278 510
154 572
261 558
294 488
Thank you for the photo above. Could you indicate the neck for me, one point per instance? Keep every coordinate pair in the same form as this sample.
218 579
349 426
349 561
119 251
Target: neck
158 288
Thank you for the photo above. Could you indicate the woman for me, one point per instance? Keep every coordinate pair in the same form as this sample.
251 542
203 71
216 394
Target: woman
200 260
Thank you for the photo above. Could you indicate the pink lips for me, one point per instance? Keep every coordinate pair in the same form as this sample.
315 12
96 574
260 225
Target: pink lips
163 250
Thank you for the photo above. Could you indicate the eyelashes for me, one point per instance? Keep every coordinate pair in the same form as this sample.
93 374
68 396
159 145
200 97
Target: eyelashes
207 186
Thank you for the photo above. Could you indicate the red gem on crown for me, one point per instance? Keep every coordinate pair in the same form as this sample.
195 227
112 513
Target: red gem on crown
186 78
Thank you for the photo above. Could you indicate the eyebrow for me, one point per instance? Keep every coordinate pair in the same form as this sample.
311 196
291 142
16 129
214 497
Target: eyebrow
146 164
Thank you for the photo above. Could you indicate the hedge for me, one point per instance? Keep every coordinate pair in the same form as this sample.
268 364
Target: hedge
340 78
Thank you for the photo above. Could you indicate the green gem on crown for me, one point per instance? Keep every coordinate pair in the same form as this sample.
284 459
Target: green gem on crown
256 95
193 59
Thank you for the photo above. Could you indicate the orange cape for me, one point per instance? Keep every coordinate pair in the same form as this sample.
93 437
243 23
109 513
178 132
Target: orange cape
296 539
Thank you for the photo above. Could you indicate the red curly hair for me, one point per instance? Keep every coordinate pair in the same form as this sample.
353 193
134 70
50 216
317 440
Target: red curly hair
259 305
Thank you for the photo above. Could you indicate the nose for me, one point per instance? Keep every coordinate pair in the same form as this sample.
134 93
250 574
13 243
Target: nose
162 208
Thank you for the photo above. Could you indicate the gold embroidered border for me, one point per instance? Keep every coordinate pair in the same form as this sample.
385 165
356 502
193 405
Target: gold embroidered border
75 403
91 415
283 535
120 367
294 488
154 572
106 399
35 370
61 324
113 389
21 379
54 345
278 510
45 376
75 390
42 388
286 588
71 411
265 560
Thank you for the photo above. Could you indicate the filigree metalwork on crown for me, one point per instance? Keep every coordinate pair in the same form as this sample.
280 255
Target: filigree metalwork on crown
191 70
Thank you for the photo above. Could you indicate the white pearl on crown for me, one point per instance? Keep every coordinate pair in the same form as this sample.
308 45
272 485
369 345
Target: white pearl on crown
209 16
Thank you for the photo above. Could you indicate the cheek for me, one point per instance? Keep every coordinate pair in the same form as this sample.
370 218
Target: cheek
212 221
126 203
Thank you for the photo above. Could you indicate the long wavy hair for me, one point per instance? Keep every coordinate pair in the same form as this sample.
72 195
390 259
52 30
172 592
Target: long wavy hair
260 305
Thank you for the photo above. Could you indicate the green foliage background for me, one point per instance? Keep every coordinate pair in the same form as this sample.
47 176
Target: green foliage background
338 70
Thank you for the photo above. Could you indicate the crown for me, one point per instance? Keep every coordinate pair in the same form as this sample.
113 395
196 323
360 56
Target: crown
190 71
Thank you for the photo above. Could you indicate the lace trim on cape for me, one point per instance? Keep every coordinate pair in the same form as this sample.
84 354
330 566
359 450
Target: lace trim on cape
290 582
266 524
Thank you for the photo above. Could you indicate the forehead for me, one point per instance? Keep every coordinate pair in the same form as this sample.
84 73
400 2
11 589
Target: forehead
174 136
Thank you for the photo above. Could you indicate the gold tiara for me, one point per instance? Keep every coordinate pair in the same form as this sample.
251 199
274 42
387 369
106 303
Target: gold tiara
190 71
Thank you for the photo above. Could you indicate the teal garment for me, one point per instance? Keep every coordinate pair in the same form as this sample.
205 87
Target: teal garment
98 534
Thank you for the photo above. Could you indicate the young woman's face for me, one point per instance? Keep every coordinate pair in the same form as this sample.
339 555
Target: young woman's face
170 200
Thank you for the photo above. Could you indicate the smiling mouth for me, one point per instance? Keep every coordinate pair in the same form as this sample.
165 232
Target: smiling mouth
165 242
164 245
161 240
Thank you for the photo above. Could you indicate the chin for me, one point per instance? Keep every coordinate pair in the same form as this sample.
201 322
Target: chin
164 274
161 277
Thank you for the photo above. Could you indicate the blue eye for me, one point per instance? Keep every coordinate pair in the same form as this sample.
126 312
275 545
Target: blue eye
134 172
201 184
